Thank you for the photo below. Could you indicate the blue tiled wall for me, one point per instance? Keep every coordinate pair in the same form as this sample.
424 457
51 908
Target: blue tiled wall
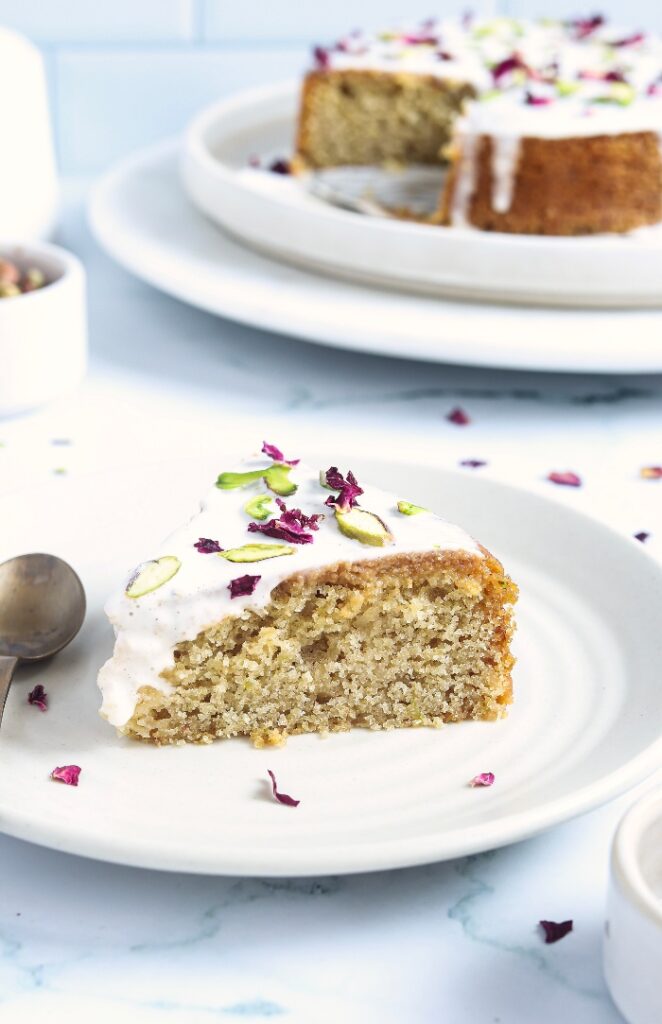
124 73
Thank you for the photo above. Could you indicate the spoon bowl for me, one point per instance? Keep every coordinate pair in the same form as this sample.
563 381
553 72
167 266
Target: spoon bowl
42 607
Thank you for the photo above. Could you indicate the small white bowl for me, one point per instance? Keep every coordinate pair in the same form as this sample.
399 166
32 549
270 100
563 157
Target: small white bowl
633 935
43 333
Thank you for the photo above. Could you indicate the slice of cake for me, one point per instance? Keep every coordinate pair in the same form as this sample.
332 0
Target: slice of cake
299 601
551 127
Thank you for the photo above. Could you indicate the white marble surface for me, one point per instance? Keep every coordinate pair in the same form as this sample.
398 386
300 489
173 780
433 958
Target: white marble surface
457 942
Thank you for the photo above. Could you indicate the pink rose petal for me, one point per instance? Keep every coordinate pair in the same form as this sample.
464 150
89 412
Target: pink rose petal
482 780
282 798
459 417
243 586
38 697
567 479
651 473
555 930
68 774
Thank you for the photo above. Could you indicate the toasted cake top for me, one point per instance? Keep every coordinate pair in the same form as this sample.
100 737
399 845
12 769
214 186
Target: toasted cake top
262 521
545 78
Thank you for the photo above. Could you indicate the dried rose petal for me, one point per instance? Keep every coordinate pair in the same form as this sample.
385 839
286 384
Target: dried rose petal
280 166
565 479
38 697
636 37
459 417
206 546
68 774
537 101
243 586
276 454
349 489
282 798
512 63
482 780
292 525
642 536
555 930
584 27
473 463
321 57
651 473
420 39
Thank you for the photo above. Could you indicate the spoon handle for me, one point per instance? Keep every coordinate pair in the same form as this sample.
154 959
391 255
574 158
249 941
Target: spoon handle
7 668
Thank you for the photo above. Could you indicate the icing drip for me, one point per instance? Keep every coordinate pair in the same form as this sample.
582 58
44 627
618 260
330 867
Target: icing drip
505 157
465 181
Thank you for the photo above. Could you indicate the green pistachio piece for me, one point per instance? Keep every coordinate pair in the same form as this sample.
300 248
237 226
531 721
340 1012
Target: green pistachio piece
258 508
619 92
489 94
256 552
229 481
277 479
151 575
407 509
364 526
566 88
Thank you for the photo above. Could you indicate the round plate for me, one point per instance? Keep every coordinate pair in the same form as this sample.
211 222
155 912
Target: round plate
585 724
279 215
140 215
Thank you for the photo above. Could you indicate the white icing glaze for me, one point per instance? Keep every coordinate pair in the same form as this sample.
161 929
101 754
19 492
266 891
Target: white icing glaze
149 628
567 76
505 155
465 181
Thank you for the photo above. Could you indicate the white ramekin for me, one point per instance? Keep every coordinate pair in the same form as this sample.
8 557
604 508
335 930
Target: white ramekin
633 934
43 334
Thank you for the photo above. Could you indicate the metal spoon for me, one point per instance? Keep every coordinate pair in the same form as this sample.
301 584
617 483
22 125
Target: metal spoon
42 607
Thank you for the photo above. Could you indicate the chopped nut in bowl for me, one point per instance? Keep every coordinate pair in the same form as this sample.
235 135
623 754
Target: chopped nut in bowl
43 331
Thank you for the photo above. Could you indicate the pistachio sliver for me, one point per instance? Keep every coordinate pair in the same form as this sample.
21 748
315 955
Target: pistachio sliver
277 479
256 552
366 527
407 509
230 481
151 575
259 508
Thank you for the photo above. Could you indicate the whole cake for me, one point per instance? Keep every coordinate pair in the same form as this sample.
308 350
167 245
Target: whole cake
550 127
298 601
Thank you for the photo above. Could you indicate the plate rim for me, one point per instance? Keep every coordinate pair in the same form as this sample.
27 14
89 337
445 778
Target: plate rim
462 326
205 177
374 855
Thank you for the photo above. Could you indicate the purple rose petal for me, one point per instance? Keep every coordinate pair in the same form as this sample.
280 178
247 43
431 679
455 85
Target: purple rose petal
276 454
555 930
282 798
642 536
280 166
206 546
38 697
473 463
68 774
584 27
292 525
321 57
243 586
349 489
483 780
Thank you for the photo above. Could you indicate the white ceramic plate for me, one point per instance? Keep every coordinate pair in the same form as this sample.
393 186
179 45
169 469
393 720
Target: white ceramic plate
141 216
280 216
585 724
